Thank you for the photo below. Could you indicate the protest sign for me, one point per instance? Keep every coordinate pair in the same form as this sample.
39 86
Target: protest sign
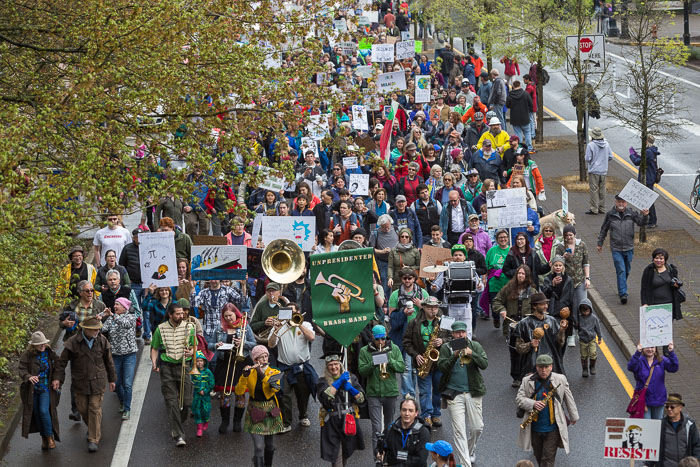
363 21
419 46
342 295
432 256
359 118
394 81
359 184
518 169
383 53
300 230
370 99
422 88
340 25
365 71
350 162
638 195
308 143
405 35
506 208
208 240
372 15
632 438
656 325
391 40
348 47
157 259
271 182
365 43
257 225
366 143
318 127
219 262
405 49
564 200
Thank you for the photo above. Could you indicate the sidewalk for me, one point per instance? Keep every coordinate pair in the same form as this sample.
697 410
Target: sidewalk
676 232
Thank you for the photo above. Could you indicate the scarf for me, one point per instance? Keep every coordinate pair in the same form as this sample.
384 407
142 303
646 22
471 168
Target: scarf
547 243
404 247
550 405
236 324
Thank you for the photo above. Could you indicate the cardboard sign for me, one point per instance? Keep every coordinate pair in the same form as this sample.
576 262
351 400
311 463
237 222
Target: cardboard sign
638 195
392 40
432 256
350 162
208 240
405 49
359 184
656 325
383 53
300 230
518 169
219 262
632 438
422 88
394 81
507 208
157 259
366 143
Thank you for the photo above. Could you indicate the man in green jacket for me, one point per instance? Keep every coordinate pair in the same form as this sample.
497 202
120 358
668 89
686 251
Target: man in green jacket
463 388
380 361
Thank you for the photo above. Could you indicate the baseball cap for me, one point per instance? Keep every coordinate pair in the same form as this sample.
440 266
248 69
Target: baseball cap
400 198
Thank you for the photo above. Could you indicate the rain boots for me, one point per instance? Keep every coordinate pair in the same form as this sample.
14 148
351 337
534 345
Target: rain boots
237 419
225 419
269 454
584 366
593 360
199 429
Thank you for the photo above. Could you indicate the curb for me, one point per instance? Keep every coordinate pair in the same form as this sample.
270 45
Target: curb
617 331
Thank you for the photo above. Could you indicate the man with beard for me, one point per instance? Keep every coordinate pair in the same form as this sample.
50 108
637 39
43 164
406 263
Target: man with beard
540 334
77 270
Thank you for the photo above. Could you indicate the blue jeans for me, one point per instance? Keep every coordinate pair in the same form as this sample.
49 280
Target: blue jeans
408 379
41 412
623 266
523 132
655 412
383 267
533 127
125 365
501 116
429 394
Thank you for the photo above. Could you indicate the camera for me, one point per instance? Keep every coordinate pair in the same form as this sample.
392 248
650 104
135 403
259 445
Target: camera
676 282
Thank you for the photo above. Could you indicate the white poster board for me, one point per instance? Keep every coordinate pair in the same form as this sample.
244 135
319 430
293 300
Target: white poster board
350 162
405 49
348 47
318 127
405 35
372 15
219 262
271 182
638 195
364 70
359 184
359 118
340 25
383 53
309 143
564 200
300 230
632 438
422 88
257 225
656 325
394 81
506 208
157 258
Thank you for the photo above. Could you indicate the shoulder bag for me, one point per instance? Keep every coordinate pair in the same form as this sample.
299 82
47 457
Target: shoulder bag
637 405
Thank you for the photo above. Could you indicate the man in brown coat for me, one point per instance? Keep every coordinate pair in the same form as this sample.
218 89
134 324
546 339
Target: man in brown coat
90 356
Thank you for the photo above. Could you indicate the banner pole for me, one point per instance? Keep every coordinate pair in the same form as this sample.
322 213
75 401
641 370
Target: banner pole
347 368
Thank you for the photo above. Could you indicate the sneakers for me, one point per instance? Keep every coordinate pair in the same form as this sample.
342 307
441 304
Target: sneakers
92 447
651 226
436 421
286 429
305 422
472 458
75 415
126 415
623 299
180 442
121 408
591 213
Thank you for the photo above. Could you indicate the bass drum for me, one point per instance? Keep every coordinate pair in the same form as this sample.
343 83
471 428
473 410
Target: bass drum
460 282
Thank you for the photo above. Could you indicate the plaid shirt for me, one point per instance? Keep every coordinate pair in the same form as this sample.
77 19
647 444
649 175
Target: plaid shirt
210 314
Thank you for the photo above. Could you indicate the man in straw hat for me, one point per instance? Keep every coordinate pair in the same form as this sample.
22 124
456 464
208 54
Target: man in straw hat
551 334
462 388
679 434
90 356
598 154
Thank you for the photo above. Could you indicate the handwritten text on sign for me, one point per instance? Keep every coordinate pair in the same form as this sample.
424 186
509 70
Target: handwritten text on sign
656 325
638 195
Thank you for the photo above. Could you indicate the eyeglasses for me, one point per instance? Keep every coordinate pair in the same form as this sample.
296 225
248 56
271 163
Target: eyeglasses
672 406
411 170
336 168
404 236
88 290
112 218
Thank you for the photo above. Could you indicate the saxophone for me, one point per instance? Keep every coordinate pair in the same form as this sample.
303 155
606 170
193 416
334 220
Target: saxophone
533 414
431 353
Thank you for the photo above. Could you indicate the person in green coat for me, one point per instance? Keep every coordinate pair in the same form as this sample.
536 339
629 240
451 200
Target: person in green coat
203 384
462 387
382 388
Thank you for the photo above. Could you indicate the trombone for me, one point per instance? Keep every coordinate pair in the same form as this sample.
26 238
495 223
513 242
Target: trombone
189 334
239 357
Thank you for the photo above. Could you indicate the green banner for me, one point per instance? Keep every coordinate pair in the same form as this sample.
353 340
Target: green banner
342 295
418 46
365 43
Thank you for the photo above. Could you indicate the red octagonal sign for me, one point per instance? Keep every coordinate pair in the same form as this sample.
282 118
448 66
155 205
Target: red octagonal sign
585 45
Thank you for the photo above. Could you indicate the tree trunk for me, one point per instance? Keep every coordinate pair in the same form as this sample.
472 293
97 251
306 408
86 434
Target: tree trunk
539 132
581 137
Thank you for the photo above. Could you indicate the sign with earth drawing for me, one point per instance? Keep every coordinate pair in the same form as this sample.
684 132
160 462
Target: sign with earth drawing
342 293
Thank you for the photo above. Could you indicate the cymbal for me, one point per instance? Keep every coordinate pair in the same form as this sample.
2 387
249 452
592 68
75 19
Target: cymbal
435 269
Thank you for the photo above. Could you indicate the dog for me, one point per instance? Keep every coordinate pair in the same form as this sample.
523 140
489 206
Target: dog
559 220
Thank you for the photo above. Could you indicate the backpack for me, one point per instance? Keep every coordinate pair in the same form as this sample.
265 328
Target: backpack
545 77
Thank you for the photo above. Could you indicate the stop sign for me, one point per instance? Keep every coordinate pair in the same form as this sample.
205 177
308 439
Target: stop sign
585 45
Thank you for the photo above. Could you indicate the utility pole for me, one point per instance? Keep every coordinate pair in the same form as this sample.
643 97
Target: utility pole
624 22
686 23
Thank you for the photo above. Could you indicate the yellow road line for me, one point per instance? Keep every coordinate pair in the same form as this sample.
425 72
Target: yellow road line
633 169
617 369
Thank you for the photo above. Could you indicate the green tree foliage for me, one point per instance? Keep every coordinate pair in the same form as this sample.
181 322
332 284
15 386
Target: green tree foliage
86 83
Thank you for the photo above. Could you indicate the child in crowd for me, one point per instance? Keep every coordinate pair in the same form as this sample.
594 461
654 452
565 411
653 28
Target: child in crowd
588 330
203 384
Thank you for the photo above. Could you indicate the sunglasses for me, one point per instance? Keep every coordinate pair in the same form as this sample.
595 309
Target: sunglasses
548 230
406 278
88 291
672 406
404 236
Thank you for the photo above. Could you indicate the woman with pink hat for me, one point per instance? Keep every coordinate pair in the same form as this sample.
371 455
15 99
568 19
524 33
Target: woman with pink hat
120 327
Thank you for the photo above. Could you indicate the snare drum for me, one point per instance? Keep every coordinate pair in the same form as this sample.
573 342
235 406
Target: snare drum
460 281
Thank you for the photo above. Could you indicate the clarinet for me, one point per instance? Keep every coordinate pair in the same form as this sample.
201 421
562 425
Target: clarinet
533 414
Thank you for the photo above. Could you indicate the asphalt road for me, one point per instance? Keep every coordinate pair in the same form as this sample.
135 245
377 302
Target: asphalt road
597 398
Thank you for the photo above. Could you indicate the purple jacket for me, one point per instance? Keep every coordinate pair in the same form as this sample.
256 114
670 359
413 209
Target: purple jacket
482 241
656 392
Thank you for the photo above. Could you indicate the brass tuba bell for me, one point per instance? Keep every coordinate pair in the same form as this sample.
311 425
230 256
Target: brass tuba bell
283 261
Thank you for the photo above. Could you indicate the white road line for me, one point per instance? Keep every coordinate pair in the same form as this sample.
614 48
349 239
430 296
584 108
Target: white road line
661 72
127 433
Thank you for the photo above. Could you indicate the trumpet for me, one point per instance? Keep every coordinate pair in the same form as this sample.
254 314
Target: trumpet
344 302
187 346
296 321
383 372
239 357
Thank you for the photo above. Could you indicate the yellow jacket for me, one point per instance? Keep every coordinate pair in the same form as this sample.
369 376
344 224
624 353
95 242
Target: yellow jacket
249 382
62 288
501 139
